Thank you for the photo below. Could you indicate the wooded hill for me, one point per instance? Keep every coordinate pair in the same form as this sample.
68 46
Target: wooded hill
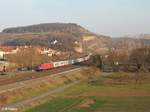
63 36
60 36
48 27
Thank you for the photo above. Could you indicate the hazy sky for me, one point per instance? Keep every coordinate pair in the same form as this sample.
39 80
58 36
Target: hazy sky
108 17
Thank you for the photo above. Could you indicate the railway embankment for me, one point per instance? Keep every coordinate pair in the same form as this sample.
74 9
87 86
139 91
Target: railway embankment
21 91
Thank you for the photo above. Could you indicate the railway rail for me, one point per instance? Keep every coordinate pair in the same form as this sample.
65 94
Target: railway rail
32 75
33 81
54 67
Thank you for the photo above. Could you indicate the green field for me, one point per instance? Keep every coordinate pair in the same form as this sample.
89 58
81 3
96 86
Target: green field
101 104
102 94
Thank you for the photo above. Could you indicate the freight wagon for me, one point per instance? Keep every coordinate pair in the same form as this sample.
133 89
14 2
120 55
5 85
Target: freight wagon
47 66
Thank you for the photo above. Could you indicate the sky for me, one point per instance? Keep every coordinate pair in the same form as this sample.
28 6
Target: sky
107 17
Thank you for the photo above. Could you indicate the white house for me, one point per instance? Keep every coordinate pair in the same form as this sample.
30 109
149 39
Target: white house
1 54
48 51
11 51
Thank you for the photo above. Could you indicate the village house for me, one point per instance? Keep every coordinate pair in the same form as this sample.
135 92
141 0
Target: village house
1 54
49 52
8 50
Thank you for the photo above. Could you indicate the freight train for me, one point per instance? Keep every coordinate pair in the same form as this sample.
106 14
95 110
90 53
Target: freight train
47 66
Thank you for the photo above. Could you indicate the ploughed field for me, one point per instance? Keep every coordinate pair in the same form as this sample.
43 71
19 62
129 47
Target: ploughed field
113 92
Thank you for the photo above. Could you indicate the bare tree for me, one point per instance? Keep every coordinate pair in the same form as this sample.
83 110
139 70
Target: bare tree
141 57
28 57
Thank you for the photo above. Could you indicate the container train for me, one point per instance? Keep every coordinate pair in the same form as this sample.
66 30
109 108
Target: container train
47 66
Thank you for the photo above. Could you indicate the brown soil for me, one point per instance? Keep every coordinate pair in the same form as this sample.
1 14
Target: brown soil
86 103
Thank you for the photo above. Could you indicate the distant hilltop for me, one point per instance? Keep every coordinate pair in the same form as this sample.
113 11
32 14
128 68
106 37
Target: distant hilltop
47 27
59 36
66 36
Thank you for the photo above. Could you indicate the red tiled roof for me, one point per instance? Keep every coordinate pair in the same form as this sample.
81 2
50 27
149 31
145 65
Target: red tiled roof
7 48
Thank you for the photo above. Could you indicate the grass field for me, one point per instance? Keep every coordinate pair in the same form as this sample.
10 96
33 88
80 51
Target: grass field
102 94
101 104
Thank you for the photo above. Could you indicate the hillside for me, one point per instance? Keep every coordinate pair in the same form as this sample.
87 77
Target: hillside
129 43
48 27
67 36
125 42
145 36
61 36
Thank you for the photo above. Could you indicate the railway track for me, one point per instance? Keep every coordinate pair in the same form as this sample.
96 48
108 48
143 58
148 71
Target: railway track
9 79
33 81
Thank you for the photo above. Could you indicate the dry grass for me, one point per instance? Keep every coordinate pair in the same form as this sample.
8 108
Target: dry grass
27 92
102 94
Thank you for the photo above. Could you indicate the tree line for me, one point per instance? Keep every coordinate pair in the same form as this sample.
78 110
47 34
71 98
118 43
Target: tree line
137 59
